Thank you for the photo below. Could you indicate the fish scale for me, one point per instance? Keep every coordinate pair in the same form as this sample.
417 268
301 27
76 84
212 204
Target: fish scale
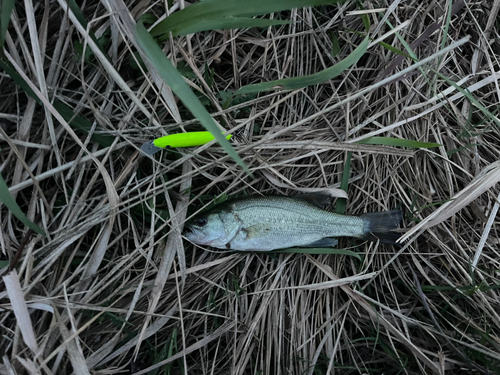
275 222
302 222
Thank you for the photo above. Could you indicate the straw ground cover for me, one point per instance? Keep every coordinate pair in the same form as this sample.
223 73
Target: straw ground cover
103 281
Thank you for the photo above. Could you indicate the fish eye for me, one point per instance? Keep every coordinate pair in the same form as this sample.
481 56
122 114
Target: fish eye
201 221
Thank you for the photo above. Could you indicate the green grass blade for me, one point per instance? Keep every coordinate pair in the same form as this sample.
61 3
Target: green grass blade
460 149
342 202
224 10
366 22
411 53
319 250
176 82
9 69
393 49
5 11
364 17
78 13
224 24
81 18
13 207
4 263
312 79
335 44
446 28
387 141
469 96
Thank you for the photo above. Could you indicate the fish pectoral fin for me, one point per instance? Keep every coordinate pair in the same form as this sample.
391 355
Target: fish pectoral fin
254 230
324 242
320 198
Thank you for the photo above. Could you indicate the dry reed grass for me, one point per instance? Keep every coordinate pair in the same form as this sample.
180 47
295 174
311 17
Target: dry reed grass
113 289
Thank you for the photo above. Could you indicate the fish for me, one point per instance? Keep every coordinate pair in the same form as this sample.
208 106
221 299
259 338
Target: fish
265 223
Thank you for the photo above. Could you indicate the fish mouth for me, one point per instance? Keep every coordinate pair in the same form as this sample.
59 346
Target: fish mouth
189 232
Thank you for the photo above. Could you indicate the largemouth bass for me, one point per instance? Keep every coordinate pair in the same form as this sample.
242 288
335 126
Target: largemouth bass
277 222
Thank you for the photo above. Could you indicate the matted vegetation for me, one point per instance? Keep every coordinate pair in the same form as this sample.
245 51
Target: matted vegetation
103 281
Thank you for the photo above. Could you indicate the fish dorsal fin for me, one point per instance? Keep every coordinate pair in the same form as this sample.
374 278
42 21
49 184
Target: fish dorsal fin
320 198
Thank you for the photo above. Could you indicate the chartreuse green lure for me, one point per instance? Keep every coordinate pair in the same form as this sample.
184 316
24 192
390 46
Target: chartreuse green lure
178 140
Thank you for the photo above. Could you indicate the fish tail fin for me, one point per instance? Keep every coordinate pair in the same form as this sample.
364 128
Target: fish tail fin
380 226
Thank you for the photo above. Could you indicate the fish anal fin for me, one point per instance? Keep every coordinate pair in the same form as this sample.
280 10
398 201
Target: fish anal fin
324 242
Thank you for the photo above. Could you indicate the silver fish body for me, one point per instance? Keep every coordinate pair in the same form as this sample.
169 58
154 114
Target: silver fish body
275 222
